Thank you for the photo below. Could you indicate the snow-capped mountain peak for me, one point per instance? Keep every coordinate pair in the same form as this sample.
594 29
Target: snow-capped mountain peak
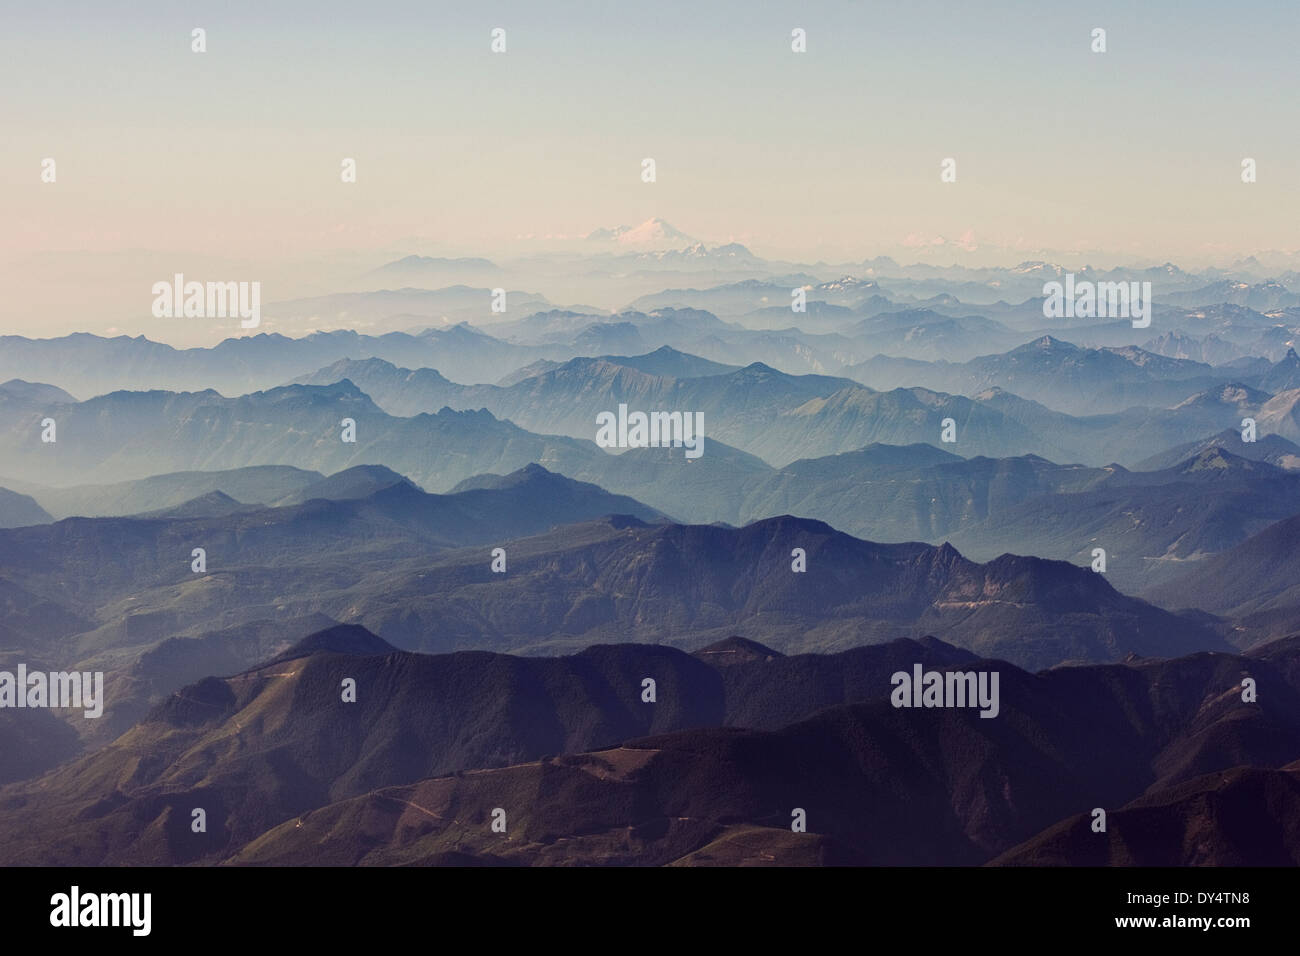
653 231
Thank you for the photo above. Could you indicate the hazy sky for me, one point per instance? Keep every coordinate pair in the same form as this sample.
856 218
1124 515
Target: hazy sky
165 155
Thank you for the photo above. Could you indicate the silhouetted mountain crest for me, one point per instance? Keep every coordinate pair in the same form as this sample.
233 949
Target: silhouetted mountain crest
350 639
736 650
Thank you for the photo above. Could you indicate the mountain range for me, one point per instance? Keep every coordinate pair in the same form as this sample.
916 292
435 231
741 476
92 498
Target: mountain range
415 769
376 594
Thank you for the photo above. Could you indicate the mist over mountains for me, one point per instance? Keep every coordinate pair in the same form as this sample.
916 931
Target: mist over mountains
395 485
649 436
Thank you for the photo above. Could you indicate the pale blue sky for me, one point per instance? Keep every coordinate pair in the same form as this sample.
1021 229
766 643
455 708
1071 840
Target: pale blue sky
829 154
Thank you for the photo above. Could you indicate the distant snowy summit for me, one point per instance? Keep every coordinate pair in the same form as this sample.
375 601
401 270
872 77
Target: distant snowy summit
656 243
653 231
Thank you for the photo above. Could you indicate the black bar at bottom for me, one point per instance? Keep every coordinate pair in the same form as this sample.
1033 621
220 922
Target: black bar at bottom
332 905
